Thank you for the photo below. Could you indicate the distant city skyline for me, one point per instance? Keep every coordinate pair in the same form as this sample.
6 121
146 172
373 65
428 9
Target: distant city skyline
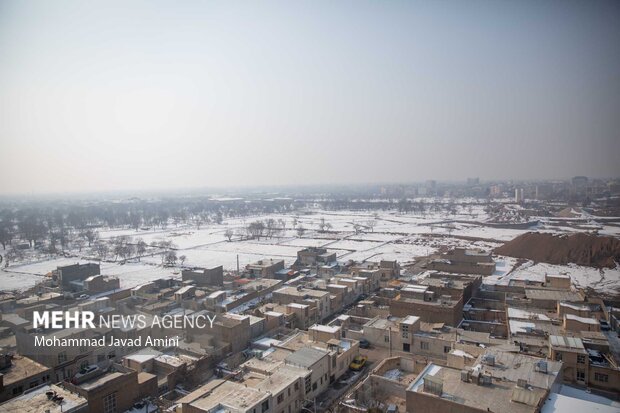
117 96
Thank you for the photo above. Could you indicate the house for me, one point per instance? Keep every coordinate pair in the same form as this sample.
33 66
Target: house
204 277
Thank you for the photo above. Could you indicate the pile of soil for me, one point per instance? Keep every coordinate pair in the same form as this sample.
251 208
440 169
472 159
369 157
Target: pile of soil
582 249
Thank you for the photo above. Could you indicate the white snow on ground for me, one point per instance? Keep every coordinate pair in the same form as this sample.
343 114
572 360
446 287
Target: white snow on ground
355 245
305 242
503 265
10 280
24 276
599 279
133 274
394 236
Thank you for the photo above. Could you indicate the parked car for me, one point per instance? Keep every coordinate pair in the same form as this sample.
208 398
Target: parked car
605 325
358 363
364 343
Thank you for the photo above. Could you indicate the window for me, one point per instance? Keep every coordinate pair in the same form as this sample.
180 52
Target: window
296 386
581 358
308 383
603 378
109 403
581 375
314 386
386 339
404 327
558 356
280 398
446 349
405 334
424 345
18 390
34 383
62 357
265 406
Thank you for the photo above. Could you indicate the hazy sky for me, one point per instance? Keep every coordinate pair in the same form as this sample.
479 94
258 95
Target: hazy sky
154 95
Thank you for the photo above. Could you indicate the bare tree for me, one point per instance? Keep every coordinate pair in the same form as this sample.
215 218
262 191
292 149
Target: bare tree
101 249
229 234
301 231
140 248
270 225
198 220
171 257
6 234
13 254
256 229
182 259
371 225
218 218
79 243
90 235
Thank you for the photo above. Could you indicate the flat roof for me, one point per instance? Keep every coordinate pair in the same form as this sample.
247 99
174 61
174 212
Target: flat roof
410 320
297 305
514 367
573 343
36 401
325 329
558 403
226 394
306 357
585 320
496 396
542 294
21 368
100 381
527 314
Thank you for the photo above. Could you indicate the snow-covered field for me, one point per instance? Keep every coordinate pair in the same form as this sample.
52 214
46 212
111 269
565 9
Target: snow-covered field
352 235
603 280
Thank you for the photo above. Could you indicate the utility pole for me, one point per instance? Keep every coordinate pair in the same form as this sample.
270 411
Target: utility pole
390 339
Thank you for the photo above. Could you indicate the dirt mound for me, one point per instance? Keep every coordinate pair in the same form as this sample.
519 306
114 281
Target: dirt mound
580 248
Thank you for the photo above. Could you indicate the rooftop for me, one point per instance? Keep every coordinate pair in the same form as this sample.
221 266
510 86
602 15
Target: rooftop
558 403
100 381
567 343
496 396
306 357
514 367
584 320
325 329
21 368
545 294
301 292
37 401
220 393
